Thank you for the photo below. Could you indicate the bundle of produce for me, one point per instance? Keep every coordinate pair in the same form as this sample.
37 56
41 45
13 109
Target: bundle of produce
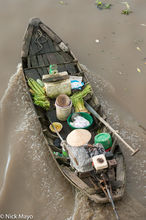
77 99
39 94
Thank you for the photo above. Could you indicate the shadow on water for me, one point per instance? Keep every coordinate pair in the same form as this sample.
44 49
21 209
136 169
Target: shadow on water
30 183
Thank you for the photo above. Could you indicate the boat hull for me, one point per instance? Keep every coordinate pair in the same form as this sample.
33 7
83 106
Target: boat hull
41 48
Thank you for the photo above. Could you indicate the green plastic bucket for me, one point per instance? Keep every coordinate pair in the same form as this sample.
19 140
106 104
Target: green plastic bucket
84 115
104 139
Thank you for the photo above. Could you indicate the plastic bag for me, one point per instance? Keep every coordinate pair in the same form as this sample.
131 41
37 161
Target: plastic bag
80 122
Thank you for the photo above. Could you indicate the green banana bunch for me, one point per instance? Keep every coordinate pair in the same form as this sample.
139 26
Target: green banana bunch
39 94
35 87
39 97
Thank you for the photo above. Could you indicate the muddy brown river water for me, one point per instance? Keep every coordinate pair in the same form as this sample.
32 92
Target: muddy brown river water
112 46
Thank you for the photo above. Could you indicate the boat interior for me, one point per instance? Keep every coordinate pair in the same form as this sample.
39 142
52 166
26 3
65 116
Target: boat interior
42 48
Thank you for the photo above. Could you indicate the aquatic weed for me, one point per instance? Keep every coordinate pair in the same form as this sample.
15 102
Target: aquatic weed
101 5
126 12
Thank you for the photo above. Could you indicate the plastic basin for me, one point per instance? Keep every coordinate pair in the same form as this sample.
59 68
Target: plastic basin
104 139
84 115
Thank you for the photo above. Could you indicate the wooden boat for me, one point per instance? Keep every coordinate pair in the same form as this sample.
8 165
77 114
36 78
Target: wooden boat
42 47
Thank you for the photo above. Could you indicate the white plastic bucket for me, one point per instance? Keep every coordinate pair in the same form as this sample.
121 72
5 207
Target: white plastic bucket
62 113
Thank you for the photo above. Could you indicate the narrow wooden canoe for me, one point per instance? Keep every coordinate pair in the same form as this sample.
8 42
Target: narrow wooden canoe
42 47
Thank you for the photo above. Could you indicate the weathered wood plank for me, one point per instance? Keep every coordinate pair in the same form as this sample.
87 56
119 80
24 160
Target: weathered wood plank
57 48
120 169
40 60
35 46
28 62
60 58
45 48
51 45
45 70
67 57
51 34
46 62
71 68
34 61
46 42
61 68
32 74
39 40
74 178
26 41
52 58
56 78
41 72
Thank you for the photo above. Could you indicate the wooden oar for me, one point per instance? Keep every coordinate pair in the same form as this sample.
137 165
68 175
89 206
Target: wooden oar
90 109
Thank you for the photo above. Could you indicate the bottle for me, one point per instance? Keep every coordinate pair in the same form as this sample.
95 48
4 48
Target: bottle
53 69
64 153
57 154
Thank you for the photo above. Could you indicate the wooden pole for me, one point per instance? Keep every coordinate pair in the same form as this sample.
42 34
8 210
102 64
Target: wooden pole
89 107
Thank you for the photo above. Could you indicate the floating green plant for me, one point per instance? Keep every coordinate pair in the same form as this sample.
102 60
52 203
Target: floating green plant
101 5
107 6
126 12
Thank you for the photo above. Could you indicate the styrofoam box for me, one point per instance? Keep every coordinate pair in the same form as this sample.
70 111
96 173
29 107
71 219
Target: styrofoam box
98 165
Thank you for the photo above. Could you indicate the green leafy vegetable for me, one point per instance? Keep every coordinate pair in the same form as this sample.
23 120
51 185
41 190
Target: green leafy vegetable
77 99
39 94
